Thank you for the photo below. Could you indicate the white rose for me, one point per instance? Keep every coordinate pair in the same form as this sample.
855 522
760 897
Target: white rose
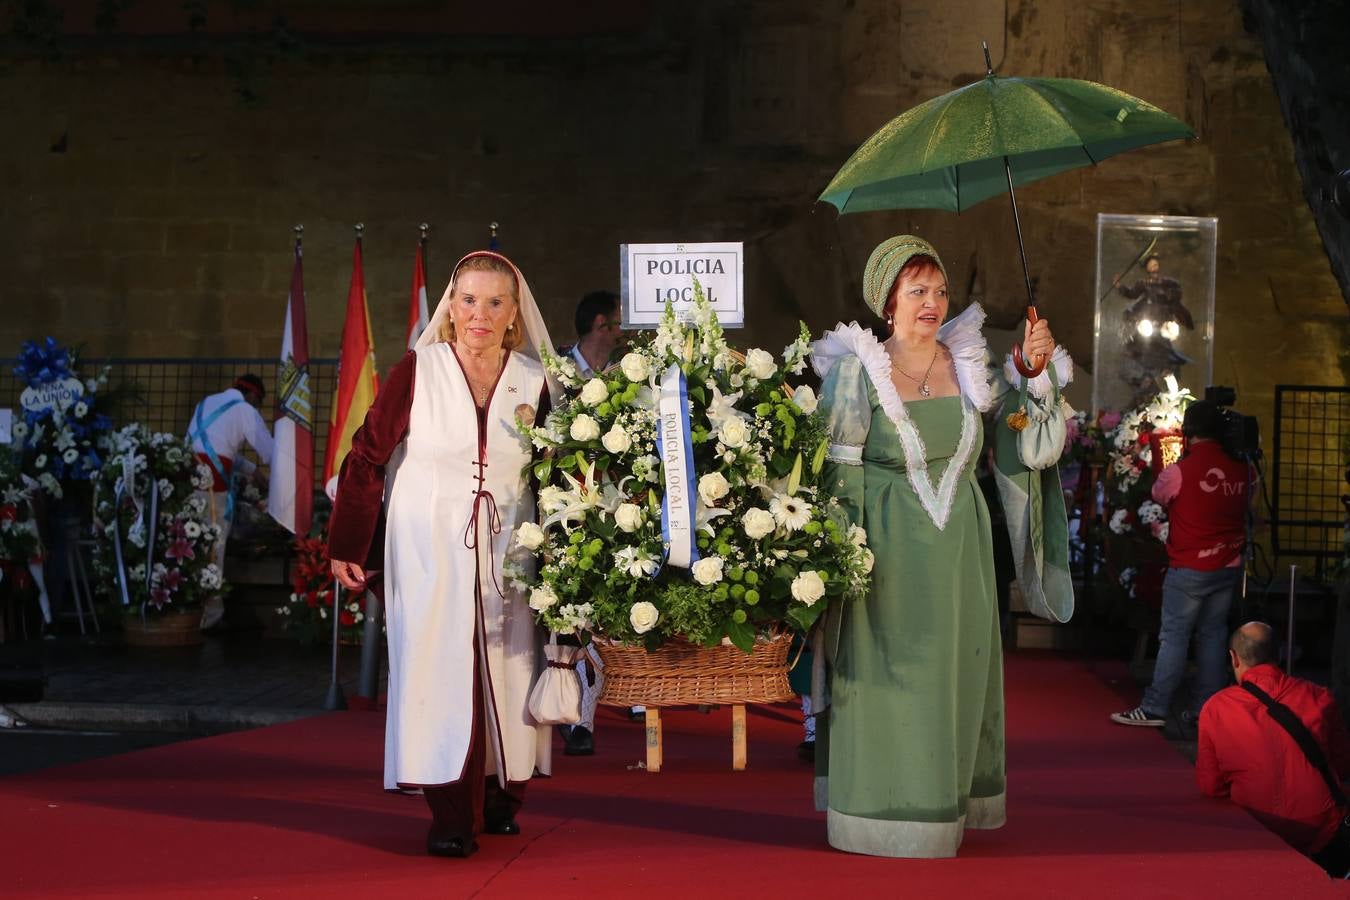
551 498
635 367
584 428
708 570
733 432
616 440
643 616
712 487
628 517
542 597
758 523
530 536
805 398
594 392
808 587
868 560
760 364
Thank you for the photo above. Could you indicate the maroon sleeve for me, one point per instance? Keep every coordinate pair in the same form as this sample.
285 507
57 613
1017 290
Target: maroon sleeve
355 521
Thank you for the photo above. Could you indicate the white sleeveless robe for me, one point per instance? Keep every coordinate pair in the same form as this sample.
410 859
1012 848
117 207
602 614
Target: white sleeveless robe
443 596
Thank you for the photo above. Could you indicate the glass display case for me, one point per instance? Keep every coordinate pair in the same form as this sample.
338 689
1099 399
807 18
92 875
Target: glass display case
1155 307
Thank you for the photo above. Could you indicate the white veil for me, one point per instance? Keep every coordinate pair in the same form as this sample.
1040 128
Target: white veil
536 332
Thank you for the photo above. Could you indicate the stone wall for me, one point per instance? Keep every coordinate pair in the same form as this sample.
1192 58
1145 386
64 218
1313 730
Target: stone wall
148 186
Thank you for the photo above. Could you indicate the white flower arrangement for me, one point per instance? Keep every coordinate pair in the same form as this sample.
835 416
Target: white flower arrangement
774 547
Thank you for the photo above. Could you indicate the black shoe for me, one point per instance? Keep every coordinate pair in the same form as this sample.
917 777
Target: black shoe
506 826
456 847
578 742
806 751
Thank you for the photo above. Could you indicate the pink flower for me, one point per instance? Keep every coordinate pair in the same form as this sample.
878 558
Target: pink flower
158 597
1108 419
172 580
180 549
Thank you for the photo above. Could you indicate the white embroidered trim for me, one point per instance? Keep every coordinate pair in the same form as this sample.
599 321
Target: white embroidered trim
1039 387
853 338
964 337
844 453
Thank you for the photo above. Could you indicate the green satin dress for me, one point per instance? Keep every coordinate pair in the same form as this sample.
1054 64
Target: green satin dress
910 748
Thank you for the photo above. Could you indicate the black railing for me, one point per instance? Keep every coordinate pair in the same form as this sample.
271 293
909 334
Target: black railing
1308 469
161 392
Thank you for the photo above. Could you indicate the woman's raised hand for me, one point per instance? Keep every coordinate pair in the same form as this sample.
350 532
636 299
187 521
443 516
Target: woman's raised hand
352 576
1038 342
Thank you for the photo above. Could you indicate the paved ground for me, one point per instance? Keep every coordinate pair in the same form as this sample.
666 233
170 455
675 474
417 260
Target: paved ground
30 749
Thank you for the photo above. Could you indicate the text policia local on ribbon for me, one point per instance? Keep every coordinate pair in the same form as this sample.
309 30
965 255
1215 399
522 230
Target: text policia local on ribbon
677 518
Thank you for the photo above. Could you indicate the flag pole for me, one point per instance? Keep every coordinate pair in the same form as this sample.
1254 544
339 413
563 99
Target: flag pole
335 699
493 243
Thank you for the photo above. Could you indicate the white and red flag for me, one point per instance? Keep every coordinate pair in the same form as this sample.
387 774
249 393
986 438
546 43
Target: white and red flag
290 497
417 308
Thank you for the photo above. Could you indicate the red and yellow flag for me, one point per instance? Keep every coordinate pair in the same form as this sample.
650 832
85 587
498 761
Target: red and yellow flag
357 379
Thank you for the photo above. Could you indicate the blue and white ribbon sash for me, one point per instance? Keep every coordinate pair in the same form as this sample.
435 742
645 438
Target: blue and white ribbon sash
677 464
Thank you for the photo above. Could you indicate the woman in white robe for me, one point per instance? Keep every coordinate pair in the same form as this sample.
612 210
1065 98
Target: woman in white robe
441 455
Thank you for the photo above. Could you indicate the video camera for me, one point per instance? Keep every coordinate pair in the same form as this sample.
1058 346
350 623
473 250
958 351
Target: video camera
1241 433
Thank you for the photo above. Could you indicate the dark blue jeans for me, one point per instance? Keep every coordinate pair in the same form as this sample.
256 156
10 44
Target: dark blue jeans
1194 602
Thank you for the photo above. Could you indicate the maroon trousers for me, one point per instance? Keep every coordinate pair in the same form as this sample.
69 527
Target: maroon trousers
462 808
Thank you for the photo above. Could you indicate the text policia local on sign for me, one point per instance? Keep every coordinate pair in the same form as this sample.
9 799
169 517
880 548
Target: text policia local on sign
653 275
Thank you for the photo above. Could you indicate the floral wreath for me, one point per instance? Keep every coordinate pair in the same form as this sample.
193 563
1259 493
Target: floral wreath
1131 471
773 547
64 430
151 512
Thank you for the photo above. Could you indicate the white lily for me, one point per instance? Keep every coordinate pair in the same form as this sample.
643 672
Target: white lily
721 408
585 495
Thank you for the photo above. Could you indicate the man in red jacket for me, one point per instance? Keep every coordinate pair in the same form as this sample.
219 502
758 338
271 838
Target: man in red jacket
1248 756
1206 495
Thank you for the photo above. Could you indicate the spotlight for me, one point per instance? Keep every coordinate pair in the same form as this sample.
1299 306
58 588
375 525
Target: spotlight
1145 328
1170 330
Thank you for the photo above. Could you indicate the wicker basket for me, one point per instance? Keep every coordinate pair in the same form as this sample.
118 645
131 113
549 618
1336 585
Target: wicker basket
679 674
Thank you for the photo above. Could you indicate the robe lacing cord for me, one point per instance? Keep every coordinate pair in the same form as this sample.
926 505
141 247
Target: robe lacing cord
483 500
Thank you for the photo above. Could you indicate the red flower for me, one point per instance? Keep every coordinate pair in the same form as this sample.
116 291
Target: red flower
180 549
347 618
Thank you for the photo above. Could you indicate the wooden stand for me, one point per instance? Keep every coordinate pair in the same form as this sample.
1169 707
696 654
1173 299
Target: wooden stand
738 755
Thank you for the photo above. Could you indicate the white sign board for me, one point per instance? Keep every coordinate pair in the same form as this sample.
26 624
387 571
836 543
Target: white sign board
53 395
652 274
6 426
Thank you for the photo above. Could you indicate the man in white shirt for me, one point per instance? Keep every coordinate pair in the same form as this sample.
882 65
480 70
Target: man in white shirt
220 426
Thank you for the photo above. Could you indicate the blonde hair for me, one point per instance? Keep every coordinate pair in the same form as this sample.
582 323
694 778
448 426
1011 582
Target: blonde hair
514 338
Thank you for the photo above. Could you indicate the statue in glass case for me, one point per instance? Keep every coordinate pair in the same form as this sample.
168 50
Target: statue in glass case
1153 321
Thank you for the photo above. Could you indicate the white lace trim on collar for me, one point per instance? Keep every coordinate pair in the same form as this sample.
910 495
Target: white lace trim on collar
853 338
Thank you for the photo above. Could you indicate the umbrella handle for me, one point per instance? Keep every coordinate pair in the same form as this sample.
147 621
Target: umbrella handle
1019 361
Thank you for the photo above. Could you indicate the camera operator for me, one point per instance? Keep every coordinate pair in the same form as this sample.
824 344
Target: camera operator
1206 494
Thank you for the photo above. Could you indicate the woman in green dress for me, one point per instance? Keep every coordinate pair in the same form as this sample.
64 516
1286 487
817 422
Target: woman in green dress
909 748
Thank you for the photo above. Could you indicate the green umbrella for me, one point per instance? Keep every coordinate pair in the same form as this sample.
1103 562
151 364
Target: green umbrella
980 140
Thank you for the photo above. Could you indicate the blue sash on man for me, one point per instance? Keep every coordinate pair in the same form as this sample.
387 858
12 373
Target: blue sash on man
199 434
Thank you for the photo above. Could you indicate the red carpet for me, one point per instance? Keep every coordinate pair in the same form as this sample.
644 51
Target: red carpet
295 810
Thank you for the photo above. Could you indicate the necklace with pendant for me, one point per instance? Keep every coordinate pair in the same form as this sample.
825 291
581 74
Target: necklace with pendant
924 389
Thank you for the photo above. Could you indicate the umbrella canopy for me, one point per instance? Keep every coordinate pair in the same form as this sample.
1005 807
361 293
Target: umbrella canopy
949 152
